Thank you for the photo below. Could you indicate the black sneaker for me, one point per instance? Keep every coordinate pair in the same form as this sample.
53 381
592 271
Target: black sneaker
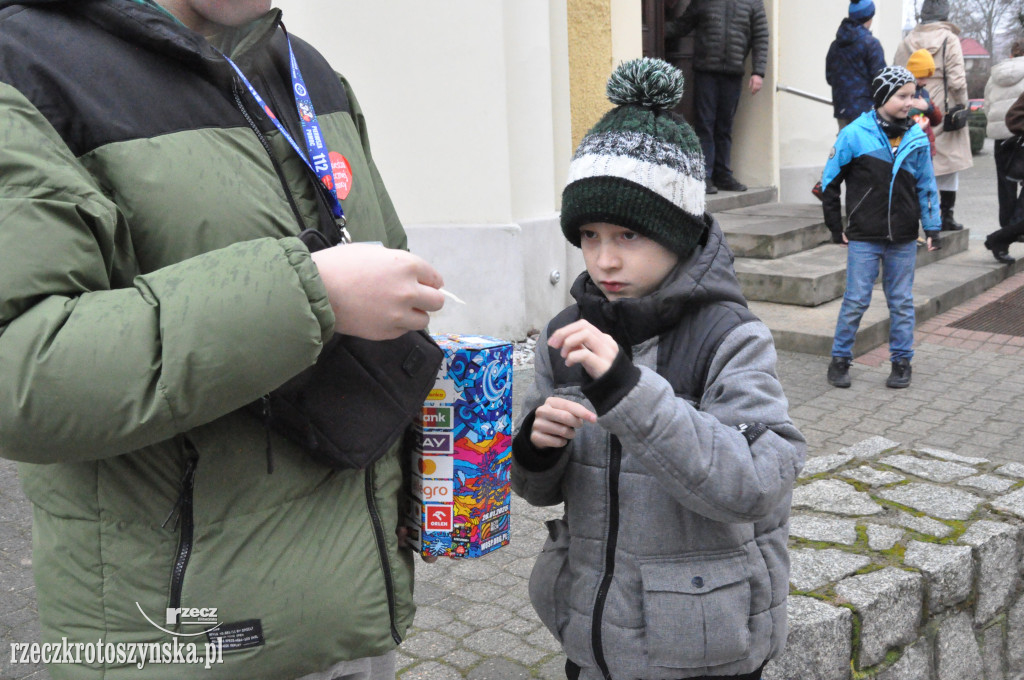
839 372
709 187
730 184
1002 256
900 375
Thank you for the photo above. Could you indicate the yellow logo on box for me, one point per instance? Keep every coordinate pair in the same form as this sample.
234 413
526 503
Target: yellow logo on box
436 395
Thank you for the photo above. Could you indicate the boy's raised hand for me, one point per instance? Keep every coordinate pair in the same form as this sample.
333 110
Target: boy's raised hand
556 420
581 343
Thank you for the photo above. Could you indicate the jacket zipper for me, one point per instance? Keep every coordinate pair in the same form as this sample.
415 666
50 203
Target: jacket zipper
849 218
270 152
614 466
382 551
183 509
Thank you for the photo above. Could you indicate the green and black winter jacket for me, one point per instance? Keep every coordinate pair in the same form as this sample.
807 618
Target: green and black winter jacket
151 285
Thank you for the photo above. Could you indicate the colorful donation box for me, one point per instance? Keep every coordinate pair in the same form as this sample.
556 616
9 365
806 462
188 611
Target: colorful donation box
461 493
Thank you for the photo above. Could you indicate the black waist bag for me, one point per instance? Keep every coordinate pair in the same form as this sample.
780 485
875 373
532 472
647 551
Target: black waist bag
358 398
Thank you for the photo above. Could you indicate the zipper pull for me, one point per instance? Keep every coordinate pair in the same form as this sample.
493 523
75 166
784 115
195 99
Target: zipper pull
174 513
187 480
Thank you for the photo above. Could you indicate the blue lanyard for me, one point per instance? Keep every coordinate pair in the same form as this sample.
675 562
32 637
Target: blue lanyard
317 156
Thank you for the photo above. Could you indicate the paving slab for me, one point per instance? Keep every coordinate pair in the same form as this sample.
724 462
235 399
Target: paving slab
947 569
933 470
819 644
870 447
997 555
811 569
1012 503
835 497
957 656
914 664
883 537
820 464
937 501
811 528
923 525
888 602
872 477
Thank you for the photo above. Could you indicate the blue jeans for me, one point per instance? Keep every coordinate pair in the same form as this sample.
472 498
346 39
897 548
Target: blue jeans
862 260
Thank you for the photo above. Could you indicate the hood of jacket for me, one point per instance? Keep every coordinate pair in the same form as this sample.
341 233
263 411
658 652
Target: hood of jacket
1008 73
707 275
850 32
931 37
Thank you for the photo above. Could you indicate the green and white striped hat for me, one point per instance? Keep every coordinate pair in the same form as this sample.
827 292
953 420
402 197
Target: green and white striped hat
641 166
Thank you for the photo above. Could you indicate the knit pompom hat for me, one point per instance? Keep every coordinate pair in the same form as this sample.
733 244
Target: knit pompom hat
921 64
641 166
861 10
888 80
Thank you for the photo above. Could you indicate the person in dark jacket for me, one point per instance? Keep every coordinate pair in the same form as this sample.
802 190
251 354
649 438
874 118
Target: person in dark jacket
853 59
998 242
885 160
726 31
657 418
152 285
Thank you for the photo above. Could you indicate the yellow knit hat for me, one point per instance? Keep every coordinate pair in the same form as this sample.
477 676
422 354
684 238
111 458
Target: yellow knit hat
921 64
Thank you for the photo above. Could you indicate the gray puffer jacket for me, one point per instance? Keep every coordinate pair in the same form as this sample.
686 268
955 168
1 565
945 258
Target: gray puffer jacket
671 559
726 30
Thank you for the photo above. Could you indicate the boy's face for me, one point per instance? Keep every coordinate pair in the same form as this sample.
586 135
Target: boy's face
899 103
623 263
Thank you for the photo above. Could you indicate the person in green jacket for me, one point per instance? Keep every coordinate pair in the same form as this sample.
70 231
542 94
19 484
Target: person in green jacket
151 286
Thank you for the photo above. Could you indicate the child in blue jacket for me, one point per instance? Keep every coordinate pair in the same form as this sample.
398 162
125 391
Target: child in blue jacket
885 160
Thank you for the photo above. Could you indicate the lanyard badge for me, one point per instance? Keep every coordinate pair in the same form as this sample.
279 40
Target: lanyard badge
330 167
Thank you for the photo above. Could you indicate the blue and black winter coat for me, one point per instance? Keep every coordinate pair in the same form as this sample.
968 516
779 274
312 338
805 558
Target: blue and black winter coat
854 57
887 191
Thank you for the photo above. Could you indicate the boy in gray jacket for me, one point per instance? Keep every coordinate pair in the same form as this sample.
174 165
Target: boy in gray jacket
657 419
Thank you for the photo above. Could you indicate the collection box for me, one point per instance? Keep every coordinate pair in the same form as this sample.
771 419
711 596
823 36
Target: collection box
461 491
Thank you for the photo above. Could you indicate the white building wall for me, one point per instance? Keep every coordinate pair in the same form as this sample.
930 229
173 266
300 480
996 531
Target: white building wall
467 107
807 128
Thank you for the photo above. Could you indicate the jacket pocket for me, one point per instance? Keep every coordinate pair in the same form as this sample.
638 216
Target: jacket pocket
549 581
697 611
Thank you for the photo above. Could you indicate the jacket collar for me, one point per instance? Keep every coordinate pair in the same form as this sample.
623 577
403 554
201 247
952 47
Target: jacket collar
154 30
706 276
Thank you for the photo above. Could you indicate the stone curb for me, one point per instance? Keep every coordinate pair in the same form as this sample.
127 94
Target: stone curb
906 564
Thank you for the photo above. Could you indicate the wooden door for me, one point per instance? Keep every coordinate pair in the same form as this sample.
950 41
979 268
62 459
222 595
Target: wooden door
656 13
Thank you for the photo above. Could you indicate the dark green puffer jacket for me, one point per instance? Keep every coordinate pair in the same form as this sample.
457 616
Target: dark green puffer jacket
151 284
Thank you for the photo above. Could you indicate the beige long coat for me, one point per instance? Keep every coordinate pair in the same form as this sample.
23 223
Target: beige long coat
953 149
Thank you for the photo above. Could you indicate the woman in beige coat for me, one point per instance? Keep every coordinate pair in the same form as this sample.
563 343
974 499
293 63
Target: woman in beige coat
953 149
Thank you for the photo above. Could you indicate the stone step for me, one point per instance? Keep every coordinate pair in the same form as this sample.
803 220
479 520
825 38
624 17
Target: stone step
731 200
773 230
938 287
816 276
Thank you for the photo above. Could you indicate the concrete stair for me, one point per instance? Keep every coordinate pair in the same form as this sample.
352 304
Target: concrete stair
813 277
794 278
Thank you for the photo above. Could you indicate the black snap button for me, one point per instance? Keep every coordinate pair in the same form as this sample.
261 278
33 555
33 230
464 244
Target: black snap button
697 582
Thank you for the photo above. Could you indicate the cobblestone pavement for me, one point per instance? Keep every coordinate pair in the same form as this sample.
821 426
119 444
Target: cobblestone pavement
475 620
